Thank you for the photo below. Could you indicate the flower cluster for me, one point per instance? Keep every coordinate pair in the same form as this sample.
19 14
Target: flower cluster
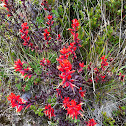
70 92
66 68
73 31
19 67
50 21
49 111
103 63
46 36
91 122
73 109
17 102
25 36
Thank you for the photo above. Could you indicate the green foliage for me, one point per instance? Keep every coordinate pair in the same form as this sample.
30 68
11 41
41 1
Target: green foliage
40 20
108 121
51 100
52 57
38 111
120 112
19 86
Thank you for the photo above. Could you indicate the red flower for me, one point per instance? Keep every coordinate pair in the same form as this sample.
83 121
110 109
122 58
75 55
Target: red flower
49 111
46 35
66 102
24 26
103 63
65 67
81 67
75 23
50 21
73 109
73 31
59 92
49 17
46 6
16 101
24 35
81 64
19 67
103 57
82 93
91 122
64 50
89 80
103 77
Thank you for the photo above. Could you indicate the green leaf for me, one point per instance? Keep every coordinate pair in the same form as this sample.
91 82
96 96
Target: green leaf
19 86
55 12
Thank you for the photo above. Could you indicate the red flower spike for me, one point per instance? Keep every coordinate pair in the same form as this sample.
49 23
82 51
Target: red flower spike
46 35
103 57
91 122
19 67
73 109
81 64
96 79
89 80
96 70
24 33
15 101
18 102
73 31
46 6
75 23
64 50
59 92
66 102
49 111
103 63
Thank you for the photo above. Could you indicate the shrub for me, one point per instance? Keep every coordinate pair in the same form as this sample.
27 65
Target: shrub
55 77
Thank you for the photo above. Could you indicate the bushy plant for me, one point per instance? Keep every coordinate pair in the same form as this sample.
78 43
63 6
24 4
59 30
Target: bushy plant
47 67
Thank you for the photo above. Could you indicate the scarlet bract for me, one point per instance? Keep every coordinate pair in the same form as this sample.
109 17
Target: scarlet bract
91 122
16 101
49 111
73 109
